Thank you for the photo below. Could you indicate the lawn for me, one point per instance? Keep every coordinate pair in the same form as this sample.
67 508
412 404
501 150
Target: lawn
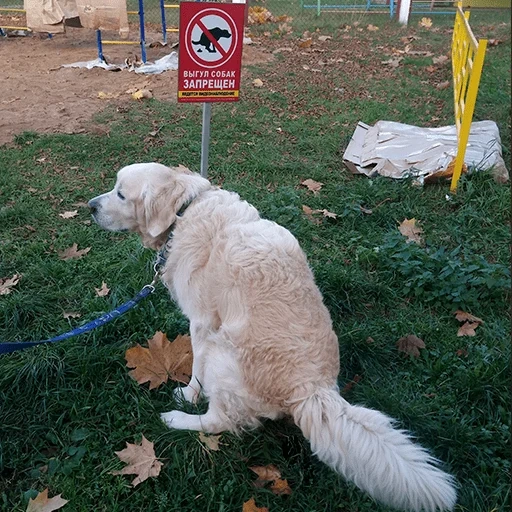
66 409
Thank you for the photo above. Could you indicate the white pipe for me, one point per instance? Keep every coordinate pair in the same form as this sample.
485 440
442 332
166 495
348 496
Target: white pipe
403 15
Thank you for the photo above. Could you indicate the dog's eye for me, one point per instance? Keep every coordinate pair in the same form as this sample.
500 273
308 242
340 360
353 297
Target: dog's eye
120 196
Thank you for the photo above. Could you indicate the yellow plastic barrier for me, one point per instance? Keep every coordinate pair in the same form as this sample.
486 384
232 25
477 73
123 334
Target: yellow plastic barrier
467 62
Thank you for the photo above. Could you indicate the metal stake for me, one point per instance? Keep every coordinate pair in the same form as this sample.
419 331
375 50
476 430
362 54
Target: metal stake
205 138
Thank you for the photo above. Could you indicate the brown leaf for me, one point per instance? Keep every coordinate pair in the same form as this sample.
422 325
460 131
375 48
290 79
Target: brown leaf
439 60
163 360
72 253
443 85
462 352
7 283
312 185
430 69
250 506
141 460
69 215
410 345
372 28
409 229
268 473
210 441
468 329
280 487
103 291
309 214
306 43
462 316
71 314
41 503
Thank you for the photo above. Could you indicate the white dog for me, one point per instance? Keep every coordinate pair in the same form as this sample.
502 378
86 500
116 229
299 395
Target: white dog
262 338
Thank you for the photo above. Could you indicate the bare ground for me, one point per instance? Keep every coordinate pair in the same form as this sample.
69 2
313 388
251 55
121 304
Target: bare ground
37 94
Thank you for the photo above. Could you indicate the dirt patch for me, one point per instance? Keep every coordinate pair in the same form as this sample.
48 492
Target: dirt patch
38 95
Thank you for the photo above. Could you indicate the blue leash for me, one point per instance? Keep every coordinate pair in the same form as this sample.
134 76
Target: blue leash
8 347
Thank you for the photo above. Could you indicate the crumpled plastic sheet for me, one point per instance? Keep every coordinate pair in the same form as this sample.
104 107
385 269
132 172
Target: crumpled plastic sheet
167 63
398 150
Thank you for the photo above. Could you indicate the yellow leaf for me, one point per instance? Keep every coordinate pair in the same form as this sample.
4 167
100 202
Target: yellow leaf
372 28
257 82
143 93
425 22
250 506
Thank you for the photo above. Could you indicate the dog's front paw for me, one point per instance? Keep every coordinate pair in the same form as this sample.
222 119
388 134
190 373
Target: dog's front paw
175 419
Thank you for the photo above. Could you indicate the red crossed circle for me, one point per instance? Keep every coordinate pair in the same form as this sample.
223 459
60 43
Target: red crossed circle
197 20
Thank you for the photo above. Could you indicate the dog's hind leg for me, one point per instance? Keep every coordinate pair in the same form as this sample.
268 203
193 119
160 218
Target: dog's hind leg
213 422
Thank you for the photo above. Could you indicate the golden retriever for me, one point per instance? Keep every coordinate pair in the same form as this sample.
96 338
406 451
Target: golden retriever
262 338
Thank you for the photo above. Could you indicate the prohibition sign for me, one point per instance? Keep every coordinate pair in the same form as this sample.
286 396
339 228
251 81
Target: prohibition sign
211 38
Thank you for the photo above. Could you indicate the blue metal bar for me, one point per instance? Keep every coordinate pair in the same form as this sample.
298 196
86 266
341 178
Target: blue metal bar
100 46
142 32
391 8
164 24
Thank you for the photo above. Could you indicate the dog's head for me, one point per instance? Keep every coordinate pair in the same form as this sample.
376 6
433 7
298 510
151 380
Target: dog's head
146 199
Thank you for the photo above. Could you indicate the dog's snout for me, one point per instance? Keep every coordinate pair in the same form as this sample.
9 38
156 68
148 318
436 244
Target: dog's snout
93 205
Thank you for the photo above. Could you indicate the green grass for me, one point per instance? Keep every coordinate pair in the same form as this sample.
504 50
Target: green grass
65 409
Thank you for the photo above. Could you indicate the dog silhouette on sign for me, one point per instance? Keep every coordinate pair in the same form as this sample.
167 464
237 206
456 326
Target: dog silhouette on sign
217 33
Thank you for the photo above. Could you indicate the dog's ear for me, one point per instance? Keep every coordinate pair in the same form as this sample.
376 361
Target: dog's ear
160 208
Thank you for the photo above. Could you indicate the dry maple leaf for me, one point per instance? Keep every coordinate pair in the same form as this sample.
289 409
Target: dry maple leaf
280 487
141 460
8 283
103 291
41 503
409 229
312 185
210 441
468 329
72 253
410 345
250 506
462 316
267 473
69 215
162 360
425 22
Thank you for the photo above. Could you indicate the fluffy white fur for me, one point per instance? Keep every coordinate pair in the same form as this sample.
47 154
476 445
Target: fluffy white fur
262 338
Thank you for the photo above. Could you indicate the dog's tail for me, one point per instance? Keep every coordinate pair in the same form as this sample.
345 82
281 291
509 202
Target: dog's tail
363 446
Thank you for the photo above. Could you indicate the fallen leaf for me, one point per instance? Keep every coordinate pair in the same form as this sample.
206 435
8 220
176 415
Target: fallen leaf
141 460
258 15
281 487
103 291
72 253
309 214
280 50
7 283
306 43
107 95
312 185
162 360
409 229
283 19
324 38
372 28
352 383
468 329
210 441
266 474
439 60
257 82
71 314
250 506
493 42
462 352
366 211
410 345
69 215
425 22
394 63
41 503
462 316
443 85
141 94
430 69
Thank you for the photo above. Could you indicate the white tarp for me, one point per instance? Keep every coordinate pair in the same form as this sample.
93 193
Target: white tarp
399 150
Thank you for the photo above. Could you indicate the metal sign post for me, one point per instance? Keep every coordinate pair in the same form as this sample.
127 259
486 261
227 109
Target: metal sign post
210 59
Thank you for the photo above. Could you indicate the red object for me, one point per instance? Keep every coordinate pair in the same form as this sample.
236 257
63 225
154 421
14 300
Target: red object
210 56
